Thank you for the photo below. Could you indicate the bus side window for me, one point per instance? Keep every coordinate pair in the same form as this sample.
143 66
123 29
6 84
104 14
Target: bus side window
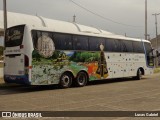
138 47
36 35
109 45
95 42
128 45
67 42
123 46
34 38
62 41
117 46
80 42
57 41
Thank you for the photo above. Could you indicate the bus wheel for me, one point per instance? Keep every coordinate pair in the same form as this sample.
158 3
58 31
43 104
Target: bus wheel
65 80
81 79
139 74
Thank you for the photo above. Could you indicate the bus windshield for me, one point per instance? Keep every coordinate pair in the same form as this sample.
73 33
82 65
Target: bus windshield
14 36
149 54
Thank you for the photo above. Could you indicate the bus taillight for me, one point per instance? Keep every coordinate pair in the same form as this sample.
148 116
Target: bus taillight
26 63
26 59
21 46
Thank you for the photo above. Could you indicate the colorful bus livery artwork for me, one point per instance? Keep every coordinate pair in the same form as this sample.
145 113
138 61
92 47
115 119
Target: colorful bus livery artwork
66 53
92 62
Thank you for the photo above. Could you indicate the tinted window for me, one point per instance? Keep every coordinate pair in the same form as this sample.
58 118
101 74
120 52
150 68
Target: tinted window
123 46
34 38
149 54
94 43
128 45
138 47
109 45
119 46
14 36
80 42
37 35
62 41
113 45
148 47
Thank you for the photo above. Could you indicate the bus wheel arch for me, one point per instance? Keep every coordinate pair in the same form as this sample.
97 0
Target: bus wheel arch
66 79
82 78
140 72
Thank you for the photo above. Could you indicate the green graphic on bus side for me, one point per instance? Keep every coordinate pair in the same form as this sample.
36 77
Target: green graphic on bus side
48 70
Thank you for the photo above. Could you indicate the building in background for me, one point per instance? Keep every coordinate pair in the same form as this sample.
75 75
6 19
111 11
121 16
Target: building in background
154 42
154 45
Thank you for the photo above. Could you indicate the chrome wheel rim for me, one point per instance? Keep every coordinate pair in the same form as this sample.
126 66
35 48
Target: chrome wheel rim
82 79
65 80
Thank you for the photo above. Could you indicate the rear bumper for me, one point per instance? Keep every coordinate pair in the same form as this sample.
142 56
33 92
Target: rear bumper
17 79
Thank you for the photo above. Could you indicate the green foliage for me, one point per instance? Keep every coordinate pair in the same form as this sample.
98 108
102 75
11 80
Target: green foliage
76 57
85 57
56 55
36 55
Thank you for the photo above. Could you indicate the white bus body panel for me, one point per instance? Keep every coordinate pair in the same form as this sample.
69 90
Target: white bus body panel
124 64
14 65
14 58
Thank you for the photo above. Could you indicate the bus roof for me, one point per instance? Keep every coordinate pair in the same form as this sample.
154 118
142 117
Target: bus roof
41 23
75 28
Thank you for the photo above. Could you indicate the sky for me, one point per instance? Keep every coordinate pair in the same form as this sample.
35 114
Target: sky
129 13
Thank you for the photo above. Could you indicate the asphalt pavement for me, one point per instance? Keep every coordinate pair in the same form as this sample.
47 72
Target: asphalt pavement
109 95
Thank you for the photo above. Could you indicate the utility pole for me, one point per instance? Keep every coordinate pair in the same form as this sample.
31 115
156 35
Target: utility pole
146 20
74 18
125 34
156 24
148 36
5 14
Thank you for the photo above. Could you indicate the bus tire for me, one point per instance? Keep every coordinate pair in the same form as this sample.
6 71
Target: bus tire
81 79
139 75
66 80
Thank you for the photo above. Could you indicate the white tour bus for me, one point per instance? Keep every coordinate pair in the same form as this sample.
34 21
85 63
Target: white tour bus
64 53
